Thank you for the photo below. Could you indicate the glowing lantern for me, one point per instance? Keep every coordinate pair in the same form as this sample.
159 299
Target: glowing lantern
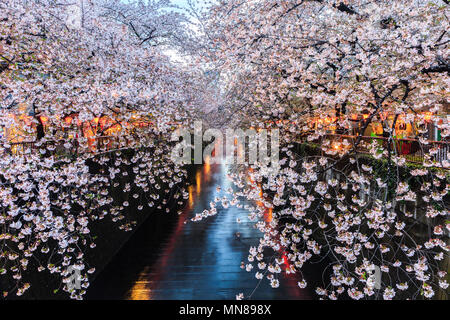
68 120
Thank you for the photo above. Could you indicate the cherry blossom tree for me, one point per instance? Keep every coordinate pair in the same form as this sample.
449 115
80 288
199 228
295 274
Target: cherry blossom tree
95 98
91 88
308 67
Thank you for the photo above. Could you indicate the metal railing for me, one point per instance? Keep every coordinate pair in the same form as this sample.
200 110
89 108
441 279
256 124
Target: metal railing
95 144
412 150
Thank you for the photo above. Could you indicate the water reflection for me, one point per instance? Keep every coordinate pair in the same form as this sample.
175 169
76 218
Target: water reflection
199 260
140 290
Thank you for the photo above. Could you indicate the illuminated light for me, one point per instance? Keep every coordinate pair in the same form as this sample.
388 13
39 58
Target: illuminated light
428 116
191 196
268 215
207 166
140 289
286 261
365 116
198 182
354 117
68 120
96 120
43 119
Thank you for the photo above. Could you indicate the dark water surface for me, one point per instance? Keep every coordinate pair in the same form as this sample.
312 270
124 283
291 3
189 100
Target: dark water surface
170 259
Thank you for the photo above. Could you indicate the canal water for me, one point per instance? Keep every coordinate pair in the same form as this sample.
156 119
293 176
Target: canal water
177 259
